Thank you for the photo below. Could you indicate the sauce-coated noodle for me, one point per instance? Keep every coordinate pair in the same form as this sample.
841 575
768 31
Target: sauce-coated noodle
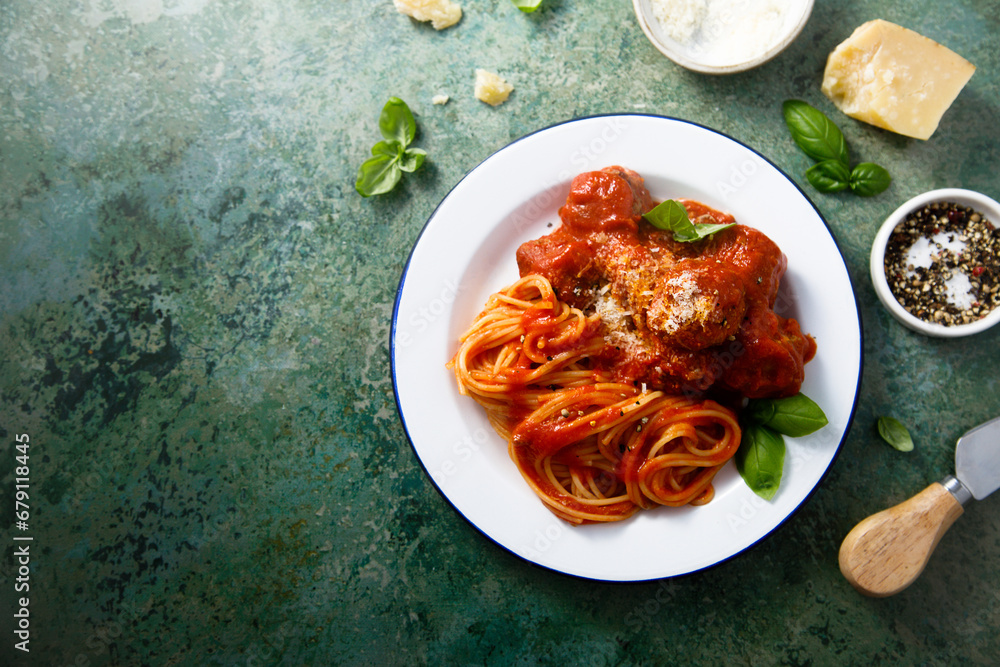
592 449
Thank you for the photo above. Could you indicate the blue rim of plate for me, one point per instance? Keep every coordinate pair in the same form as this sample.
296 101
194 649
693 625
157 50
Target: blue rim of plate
394 362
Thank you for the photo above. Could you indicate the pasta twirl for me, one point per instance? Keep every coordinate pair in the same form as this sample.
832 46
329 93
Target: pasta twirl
593 449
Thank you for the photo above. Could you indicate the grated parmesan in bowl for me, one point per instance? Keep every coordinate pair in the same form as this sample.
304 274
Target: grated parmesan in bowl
721 36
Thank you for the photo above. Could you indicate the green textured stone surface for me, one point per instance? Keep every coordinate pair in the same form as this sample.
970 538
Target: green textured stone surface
195 322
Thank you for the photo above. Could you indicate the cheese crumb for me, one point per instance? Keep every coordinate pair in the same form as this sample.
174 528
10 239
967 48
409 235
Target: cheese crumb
894 78
441 13
491 88
440 99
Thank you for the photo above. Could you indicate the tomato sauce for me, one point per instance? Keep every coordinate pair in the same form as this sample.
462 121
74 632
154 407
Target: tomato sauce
685 318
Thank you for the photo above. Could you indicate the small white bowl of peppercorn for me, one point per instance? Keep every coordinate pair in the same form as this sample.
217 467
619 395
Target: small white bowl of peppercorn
935 263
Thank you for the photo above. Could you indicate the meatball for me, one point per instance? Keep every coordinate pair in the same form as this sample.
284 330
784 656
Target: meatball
697 304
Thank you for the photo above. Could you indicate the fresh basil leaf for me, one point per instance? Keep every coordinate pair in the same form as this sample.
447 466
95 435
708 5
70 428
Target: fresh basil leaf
760 459
794 416
814 133
869 179
391 148
670 215
396 122
378 175
759 410
829 176
392 156
704 230
527 6
893 432
412 159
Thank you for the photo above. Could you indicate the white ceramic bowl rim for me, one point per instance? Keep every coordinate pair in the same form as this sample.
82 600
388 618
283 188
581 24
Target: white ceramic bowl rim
975 200
682 56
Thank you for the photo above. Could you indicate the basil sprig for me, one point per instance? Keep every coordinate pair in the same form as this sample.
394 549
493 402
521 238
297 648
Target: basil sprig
671 216
527 6
390 158
822 140
893 432
760 459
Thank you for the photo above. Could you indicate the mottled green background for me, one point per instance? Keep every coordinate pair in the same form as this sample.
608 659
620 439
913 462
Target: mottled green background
195 313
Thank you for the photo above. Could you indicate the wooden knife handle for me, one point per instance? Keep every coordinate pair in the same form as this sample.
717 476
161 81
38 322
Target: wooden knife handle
886 552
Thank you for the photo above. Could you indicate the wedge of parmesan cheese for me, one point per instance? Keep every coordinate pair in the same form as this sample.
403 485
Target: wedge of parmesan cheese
441 13
491 88
895 78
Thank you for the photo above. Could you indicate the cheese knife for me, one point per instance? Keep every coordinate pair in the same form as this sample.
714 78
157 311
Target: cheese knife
887 551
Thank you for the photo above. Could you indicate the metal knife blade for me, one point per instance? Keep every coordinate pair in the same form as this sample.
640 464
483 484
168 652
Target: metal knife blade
977 459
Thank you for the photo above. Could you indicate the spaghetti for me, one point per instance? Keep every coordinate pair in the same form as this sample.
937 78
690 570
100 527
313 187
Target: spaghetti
593 449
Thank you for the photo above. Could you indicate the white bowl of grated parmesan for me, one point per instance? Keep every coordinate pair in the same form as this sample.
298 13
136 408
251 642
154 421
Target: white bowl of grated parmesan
935 263
722 36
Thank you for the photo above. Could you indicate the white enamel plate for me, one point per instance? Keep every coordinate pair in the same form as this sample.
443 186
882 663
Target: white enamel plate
466 252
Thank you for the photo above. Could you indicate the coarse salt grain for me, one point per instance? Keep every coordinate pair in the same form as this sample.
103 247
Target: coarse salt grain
958 290
926 250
